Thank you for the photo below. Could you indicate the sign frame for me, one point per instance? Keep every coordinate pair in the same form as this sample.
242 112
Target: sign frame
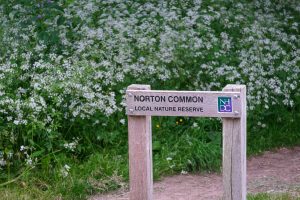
234 142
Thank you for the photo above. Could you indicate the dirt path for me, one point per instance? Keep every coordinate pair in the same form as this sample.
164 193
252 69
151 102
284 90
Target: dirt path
274 172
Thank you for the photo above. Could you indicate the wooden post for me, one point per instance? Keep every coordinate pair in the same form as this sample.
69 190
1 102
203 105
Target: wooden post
234 150
140 154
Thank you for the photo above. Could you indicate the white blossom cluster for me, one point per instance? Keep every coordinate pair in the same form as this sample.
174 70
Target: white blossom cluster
2 160
72 145
77 61
64 171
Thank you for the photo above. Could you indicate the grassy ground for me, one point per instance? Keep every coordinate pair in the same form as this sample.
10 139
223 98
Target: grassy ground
178 144
33 193
100 173
263 196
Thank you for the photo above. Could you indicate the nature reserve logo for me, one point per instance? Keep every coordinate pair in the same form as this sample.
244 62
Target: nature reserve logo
224 104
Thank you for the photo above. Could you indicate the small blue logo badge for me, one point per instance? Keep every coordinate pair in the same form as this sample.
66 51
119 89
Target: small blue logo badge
224 104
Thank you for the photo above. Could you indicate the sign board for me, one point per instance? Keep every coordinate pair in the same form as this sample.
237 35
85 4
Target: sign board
183 103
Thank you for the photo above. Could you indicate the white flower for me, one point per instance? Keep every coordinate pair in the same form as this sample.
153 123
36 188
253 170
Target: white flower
10 155
29 161
184 172
122 121
72 145
259 123
22 148
195 125
2 162
67 167
64 171
16 122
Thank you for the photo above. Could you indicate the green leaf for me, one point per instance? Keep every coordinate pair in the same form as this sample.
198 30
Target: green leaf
156 146
38 153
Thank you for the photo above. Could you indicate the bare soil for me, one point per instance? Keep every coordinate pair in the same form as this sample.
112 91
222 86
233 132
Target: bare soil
273 172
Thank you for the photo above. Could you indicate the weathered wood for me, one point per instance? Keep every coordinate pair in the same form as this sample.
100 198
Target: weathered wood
140 154
234 150
181 103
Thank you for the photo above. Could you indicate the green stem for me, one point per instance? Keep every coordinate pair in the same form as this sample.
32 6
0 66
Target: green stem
18 177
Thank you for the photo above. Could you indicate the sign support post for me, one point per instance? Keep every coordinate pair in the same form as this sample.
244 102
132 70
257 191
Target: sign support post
229 104
140 154
234 150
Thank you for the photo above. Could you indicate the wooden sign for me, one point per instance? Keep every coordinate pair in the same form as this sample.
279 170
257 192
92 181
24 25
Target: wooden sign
183 103
230 104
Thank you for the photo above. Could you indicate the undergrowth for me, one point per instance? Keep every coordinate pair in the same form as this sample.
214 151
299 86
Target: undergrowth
180 145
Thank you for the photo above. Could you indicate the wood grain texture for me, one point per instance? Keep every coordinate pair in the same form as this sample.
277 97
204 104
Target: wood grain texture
234 150
140 154
208 107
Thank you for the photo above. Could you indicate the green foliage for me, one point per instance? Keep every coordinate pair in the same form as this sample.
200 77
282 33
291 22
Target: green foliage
180 145
263 196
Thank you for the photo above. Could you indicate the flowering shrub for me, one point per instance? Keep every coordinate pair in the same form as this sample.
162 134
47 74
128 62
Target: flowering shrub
65 65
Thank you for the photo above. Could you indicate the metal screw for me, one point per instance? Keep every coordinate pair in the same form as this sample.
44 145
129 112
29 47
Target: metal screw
131 110
236 96
236 112
130 94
